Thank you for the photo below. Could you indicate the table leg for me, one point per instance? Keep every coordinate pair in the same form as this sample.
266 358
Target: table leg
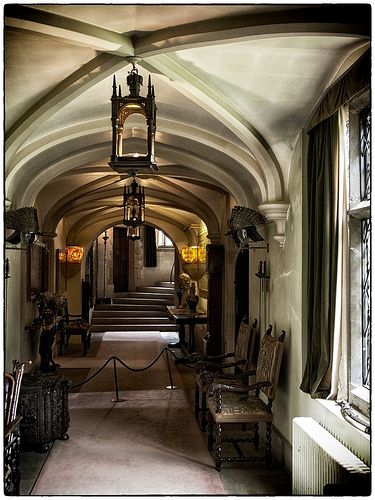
181 335
191 338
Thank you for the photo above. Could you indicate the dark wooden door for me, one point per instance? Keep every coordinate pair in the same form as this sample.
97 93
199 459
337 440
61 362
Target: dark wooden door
241 285
120 260
215 268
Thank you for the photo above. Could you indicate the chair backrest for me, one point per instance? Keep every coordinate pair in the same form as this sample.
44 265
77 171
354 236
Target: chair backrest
245 344
9 392
12 386
269 362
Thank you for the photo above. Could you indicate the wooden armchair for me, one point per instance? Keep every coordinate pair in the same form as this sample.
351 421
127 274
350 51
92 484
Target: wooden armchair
74 324
212 368
12 384
228 404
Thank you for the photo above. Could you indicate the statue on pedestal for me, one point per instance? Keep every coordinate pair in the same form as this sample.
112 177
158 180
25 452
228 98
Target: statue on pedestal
184 283
192 299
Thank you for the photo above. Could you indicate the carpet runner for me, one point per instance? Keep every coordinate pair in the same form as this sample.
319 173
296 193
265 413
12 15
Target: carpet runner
149 444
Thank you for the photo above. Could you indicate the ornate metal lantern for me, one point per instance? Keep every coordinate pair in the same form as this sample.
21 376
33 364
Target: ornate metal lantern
134 204
133 232
124 107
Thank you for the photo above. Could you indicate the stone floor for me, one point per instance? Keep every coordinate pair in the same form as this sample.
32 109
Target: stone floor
183 456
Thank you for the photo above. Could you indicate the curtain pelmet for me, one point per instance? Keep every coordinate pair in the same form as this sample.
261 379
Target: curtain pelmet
353 82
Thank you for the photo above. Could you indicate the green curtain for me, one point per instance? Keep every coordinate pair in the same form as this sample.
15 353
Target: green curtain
322 179
323 224
150 252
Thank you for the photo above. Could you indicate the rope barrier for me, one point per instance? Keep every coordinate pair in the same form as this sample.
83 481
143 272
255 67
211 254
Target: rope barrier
115 358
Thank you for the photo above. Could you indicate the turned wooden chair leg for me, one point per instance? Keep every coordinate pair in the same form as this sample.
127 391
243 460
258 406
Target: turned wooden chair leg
196 400
210 437
203 412
256 435
218 442
268 444
86 341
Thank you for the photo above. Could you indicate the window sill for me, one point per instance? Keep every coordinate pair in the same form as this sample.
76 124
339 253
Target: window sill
357 441
360 400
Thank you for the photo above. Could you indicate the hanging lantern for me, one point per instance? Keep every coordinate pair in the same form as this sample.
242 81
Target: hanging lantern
123 107
134 204
133 232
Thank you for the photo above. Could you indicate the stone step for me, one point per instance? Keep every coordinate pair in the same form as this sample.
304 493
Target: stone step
131 307
129 321
137 328
156 290
143 295
142 300
130 313
167 284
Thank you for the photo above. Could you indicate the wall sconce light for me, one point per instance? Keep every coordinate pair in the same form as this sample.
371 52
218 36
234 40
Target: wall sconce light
192 254
193 261
73 254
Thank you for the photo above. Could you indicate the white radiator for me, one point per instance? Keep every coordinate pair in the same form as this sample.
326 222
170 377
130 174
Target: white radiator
320 459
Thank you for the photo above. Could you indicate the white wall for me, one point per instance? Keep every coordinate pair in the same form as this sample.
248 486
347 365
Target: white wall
286 292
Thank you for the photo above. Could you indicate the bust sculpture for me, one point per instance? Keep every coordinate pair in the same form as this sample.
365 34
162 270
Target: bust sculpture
192 299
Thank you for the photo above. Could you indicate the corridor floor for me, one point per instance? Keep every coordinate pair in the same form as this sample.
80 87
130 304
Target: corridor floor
147 444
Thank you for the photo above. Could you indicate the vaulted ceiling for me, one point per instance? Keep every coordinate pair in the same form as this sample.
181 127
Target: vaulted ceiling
234 86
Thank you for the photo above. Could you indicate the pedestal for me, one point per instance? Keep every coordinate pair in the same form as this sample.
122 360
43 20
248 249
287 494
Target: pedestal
43 405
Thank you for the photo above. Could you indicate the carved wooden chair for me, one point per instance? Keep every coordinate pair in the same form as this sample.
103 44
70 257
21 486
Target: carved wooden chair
212 368
12 384
229 404
75 324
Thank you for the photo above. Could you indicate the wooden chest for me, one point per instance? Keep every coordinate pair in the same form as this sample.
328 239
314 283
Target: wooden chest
44 408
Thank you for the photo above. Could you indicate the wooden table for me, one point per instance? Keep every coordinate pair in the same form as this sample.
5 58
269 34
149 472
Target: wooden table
182 317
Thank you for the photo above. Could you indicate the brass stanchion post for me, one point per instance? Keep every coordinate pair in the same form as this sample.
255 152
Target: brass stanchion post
171 386
117 400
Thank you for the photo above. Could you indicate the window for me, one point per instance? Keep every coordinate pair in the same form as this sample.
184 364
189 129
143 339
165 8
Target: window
359 135
162 241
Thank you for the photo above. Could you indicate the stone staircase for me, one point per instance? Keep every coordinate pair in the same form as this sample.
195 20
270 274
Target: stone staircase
142 310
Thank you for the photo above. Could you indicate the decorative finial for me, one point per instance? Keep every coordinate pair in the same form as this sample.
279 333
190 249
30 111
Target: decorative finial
114 87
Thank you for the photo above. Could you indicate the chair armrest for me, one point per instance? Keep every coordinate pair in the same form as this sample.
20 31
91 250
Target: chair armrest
202 366
214 362
217 387
218 357
216 390
235 363
12 426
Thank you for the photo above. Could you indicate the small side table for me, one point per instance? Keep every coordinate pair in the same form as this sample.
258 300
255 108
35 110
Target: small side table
44 408
182 317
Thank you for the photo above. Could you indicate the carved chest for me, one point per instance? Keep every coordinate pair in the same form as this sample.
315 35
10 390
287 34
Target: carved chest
44 408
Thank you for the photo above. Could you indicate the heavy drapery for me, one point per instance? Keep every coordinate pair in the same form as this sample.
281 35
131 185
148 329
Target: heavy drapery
325 218
325 373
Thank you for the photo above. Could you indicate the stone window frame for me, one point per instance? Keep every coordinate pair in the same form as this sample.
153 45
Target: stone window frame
358 210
